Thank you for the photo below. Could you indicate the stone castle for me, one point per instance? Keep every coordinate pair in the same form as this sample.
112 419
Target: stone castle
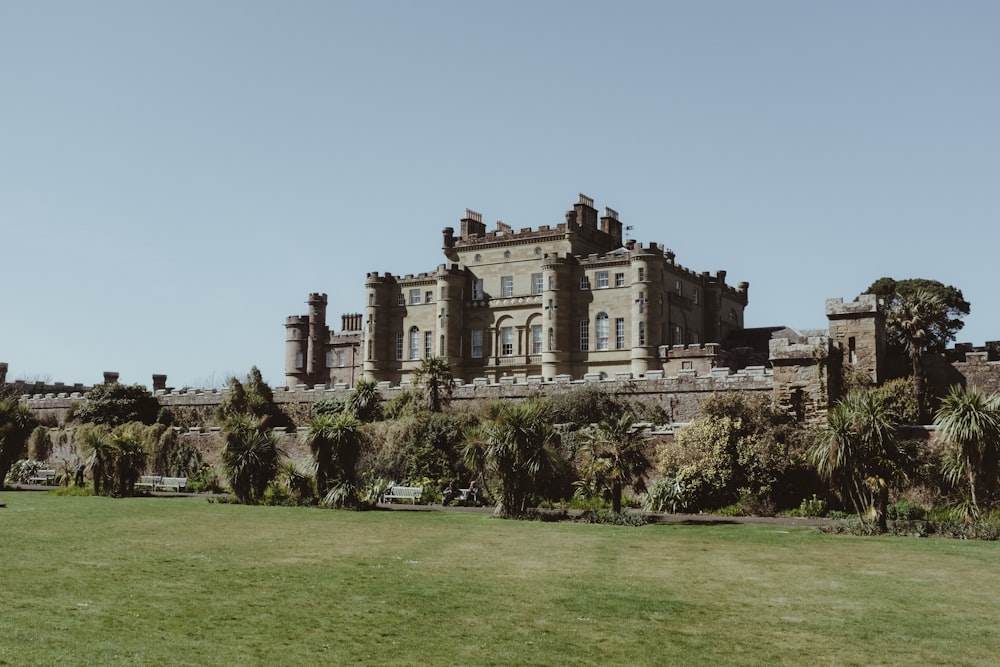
572 299
516 312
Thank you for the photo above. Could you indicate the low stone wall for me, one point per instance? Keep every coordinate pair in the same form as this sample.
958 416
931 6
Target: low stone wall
679 396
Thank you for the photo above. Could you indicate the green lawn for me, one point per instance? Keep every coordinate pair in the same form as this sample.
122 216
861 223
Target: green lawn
180 581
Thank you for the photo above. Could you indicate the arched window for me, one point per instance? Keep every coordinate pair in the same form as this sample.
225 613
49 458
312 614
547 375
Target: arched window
601 326
414 343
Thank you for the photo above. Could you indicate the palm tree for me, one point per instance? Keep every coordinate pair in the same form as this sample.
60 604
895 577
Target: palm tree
915 319
968 422
515 447
95 444
365 402
434 373
617 457
129 458
858 451
250 458
16 424
335 443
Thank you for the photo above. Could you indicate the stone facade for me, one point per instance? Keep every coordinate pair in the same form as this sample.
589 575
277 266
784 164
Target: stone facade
315 355
573 299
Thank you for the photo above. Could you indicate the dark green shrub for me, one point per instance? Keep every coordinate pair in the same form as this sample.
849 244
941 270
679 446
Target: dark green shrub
116 404
905 511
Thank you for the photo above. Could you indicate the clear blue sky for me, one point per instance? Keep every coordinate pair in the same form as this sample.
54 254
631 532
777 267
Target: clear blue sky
177 176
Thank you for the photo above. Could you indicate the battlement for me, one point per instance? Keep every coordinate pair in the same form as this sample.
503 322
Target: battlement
790 345
864 305
617 257
505 234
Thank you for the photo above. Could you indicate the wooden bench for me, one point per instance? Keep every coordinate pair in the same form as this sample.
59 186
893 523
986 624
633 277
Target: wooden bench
176 483
148 482
45 476
411 493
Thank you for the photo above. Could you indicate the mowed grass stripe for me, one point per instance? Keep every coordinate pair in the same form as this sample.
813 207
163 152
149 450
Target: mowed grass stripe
183 581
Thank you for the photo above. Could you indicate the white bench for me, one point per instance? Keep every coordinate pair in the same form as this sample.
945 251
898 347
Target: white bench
148 482
411 493
176 483
43 476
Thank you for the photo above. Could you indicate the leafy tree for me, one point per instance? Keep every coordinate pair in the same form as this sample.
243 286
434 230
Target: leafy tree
434 375
115 404
16 424
921 316
617 458
860 452
365 401
946 324
516 447
335 443
252 397
968 422
250 457
742 449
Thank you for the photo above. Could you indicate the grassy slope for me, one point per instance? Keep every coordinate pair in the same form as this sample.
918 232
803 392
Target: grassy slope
180 581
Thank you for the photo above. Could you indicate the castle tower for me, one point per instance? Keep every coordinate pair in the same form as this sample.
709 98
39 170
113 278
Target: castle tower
556 322
318 335
377 337
857 330
647 304
450 323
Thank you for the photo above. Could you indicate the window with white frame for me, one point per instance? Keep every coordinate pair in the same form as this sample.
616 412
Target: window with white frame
584 283
642 274
414 352
507 341
371 349
679 287
399 346
642 333
584 335
428 344
329 358
300 360
444 292
601 279
340 359
619 280
536 339
414 296
601 331
476 343
401 300
536 283
507 286
678 335
477 289
428 296
619 333
552 339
